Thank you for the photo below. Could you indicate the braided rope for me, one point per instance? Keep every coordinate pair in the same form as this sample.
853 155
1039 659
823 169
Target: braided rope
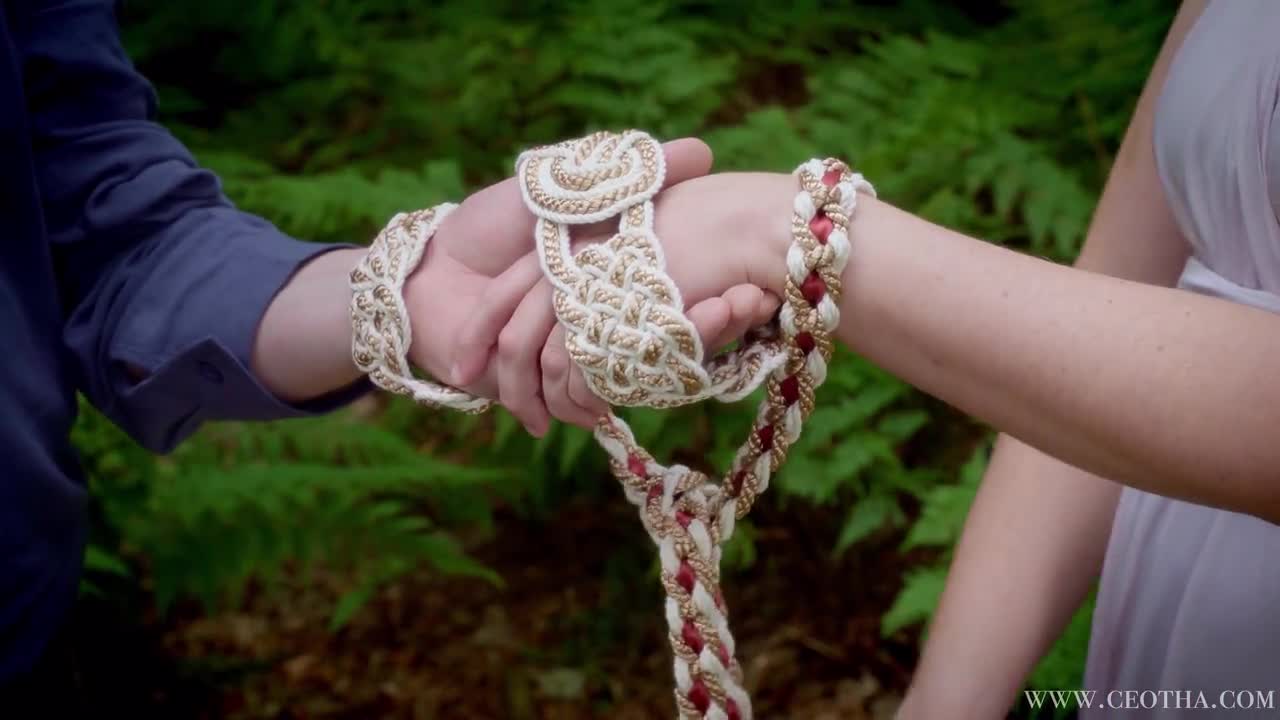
625 328
381 334
689 518
623 316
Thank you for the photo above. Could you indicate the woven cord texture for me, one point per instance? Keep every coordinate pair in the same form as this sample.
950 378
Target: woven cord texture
626 330
380 330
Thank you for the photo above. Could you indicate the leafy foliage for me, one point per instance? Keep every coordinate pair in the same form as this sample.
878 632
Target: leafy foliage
239 505
996 119
939 525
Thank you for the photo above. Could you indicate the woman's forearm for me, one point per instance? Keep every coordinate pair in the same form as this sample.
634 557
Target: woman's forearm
1032 547
1154 387
303 345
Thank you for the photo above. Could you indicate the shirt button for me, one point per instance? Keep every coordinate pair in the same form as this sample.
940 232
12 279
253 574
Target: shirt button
210 373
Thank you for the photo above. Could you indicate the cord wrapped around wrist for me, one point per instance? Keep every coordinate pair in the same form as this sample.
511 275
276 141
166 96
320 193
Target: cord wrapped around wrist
625 328
380 329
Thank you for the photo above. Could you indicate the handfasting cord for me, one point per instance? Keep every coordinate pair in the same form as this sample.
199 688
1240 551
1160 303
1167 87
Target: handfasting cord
623 316
380 329
625 328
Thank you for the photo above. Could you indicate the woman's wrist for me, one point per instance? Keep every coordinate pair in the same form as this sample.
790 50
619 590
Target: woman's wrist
768 217
767 220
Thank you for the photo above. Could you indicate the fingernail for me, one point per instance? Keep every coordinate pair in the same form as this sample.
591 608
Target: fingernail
455 374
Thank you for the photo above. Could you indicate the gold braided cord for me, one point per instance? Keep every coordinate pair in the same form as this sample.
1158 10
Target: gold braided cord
626 330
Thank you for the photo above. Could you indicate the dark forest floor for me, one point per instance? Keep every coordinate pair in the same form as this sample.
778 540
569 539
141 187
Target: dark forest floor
576 633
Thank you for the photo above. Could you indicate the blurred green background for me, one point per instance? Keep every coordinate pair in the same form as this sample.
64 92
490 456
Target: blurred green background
394 562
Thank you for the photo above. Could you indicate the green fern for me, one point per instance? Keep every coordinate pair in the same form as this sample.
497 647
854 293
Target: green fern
917 600
338 206
220 529
236 506
939 525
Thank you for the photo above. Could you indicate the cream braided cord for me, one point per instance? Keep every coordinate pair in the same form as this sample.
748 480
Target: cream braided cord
626 329
380 329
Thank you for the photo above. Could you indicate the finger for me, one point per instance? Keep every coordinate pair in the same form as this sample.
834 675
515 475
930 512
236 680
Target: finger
520 346
499 209
556 373
687 158
579 391
749 307
492 313
769 304
710 318
584 397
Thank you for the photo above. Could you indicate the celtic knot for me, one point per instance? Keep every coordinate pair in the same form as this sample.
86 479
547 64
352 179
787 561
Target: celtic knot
625 328
623 316
591 179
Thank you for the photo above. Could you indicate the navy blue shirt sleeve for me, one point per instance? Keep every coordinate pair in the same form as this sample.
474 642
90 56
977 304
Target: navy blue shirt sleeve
158 271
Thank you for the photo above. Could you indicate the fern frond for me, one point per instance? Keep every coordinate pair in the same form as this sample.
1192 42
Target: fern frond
209 532
339 206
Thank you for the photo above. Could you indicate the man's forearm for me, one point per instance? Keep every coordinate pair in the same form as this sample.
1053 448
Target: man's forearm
303 346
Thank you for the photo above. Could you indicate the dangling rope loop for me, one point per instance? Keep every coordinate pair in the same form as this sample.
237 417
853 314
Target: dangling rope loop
626 329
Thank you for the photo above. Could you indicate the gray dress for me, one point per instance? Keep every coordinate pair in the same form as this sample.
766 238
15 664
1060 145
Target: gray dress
1190 596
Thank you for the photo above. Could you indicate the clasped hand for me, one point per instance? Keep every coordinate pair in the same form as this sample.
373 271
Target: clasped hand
481 311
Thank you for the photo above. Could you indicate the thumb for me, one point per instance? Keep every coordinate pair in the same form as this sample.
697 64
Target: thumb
493 228
711 318
687 158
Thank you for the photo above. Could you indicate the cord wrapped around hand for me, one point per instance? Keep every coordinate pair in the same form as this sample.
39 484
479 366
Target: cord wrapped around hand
626 329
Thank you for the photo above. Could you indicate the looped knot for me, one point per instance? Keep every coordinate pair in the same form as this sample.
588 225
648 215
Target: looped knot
381 333
623 316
